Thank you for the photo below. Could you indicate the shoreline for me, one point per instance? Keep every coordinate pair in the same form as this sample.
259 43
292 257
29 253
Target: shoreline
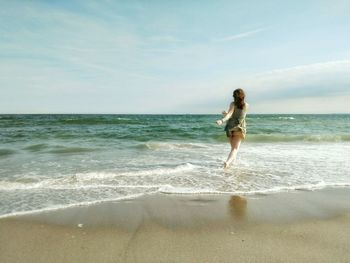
298 226
276 207
331 191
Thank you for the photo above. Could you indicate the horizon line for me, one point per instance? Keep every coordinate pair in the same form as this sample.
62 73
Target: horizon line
339 113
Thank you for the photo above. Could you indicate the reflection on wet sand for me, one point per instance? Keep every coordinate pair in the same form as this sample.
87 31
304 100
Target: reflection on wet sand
238 207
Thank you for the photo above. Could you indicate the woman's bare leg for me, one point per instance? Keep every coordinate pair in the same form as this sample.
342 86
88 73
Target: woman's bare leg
235 142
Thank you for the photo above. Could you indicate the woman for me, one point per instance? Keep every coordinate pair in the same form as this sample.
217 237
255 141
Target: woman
236 125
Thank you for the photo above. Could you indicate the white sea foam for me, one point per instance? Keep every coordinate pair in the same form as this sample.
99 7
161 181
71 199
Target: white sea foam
172 145
260 168
91 180
286 118
139 173
168 189
53 184
58 207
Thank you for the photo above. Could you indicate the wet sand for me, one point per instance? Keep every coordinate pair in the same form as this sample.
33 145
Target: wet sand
299 226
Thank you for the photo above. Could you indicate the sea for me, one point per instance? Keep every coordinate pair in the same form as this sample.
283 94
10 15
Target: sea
55 161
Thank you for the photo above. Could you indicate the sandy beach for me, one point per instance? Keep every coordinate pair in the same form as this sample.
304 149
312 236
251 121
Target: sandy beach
299 226
174 131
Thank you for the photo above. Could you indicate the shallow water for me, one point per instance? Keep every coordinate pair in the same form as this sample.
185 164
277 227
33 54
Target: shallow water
59 160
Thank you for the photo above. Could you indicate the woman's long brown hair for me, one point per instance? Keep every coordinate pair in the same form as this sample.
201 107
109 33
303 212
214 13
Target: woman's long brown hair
239 96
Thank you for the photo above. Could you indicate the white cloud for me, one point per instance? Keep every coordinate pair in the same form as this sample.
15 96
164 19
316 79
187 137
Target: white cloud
299 89
239 36
311 105
55 52
307 80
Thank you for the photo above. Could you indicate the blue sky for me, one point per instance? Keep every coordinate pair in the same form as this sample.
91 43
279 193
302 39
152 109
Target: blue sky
174 56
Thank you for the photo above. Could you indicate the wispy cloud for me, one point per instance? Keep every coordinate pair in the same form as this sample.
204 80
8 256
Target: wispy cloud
309 88
106 51
332 75
240 35
313 105
300 83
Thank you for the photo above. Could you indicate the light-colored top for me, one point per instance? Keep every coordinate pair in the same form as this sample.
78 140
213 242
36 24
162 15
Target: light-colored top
236 118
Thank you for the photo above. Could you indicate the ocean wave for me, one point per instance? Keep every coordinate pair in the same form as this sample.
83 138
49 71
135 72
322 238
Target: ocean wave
10 186
170 145
52 184
295 138
6 152
92 179
99 181
98 121
286 118
58 149
36 147
68 150
279 137
156 171
168 189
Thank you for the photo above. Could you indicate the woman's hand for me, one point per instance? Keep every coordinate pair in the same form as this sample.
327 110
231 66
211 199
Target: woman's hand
219 122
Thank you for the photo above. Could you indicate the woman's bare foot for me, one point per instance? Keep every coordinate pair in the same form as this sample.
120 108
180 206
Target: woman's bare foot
226 165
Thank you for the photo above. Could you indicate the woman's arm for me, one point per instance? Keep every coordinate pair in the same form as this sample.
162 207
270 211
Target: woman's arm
227 115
